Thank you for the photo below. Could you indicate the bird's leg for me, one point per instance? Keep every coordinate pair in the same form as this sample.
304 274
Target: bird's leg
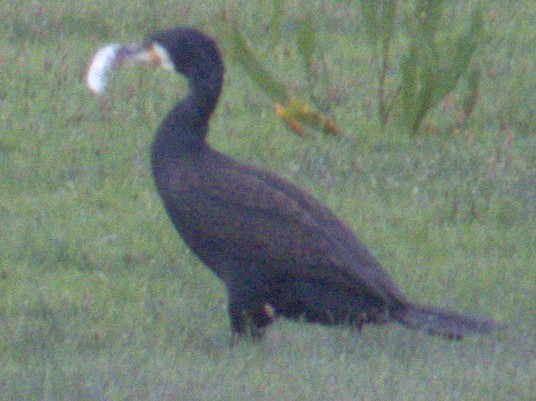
242 326
361 321
237 316
248 318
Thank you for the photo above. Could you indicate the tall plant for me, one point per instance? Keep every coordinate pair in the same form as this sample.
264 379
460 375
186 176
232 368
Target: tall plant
296 112
428 71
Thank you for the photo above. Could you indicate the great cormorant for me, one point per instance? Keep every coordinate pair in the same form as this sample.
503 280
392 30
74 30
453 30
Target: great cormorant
277 249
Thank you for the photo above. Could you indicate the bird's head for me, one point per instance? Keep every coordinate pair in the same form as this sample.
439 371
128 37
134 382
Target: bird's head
186 50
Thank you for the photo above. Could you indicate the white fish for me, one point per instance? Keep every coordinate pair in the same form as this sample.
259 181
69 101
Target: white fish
102 64
111 56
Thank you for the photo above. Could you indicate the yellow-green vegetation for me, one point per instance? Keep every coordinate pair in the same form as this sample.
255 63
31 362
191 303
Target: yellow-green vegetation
99 298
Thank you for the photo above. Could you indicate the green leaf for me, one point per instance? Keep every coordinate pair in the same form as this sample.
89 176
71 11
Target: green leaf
369 8
426 97
460 54
473 86
276 20
244 56
307 43
387 26
408 88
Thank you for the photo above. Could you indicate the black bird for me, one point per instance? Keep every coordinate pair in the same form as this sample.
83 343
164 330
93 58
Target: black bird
277 249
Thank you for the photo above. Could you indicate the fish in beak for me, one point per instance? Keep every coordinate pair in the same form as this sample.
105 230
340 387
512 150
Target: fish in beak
110 57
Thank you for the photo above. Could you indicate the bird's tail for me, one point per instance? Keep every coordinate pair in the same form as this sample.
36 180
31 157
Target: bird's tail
440 322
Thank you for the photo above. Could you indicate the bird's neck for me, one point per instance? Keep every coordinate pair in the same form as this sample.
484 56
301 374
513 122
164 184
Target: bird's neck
185 127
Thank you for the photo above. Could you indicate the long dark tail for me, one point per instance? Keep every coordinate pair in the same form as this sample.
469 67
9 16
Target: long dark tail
441 322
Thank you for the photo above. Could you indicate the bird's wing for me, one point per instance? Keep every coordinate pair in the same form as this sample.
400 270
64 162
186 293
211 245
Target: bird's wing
364 262
262 216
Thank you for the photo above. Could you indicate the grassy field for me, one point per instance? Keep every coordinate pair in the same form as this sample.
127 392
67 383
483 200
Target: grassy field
99 298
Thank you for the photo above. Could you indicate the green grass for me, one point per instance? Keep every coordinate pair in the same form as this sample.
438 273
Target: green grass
100 300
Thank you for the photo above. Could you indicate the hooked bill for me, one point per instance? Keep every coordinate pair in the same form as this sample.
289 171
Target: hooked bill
102 64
